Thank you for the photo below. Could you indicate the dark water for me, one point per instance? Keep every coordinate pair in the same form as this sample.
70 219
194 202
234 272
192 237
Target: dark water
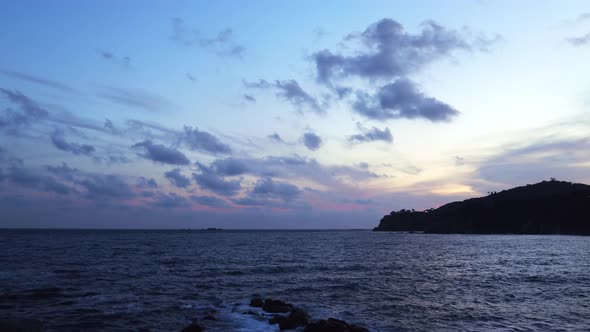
126 280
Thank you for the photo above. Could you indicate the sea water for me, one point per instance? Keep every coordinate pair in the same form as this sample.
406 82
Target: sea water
111 280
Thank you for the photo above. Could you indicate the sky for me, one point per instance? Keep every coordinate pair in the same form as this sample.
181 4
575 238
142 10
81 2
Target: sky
283 114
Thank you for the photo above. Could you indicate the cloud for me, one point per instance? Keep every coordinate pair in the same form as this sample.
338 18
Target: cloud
170 200
208 179
38 80
59 141
143 182
110 57
97 186
290 167
203 141
138 99
162 154
274 194
312 141
177 179
290 91
30 108
372 135
580 41
230 166
266 187
401 99
211 201
110 127
562 158
275 138
389 51
100 186
249 98
223 44
30 179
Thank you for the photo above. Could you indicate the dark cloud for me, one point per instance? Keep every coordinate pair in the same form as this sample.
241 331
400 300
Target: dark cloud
97 186
266 187
143 182
170 200
100 186
177 179
109 56
580 41
289 167
249 98
371 135
162 154
38 80
401 99
62 171
110 127
276 138
230 167
203 141
389 51
30 179
146 126
208 179
110 159
138 99
59 141
223 44
312 141
290 91
211 201
30 109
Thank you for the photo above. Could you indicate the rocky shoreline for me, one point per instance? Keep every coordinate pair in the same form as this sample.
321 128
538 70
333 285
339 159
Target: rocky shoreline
275 312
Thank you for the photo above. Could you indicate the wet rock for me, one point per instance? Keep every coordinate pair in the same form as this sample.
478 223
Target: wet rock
333 325
256 302
276 306
194 327
21 325
296 318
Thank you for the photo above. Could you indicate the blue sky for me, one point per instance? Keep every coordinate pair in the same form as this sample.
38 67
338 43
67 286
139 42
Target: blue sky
283 114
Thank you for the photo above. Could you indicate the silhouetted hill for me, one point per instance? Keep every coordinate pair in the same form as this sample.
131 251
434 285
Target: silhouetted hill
548 207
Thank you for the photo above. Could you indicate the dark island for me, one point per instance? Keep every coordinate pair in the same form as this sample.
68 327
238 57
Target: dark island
548 207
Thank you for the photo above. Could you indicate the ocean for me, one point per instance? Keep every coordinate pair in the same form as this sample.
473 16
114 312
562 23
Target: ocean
128 280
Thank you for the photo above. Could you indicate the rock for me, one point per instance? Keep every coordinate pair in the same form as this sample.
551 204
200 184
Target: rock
21 325
276 306
333 325
194 327
296 318
256 302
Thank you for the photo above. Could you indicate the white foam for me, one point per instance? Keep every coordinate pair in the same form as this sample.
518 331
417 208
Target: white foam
243 322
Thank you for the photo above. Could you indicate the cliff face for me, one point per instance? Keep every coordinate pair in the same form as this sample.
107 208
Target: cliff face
548 207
